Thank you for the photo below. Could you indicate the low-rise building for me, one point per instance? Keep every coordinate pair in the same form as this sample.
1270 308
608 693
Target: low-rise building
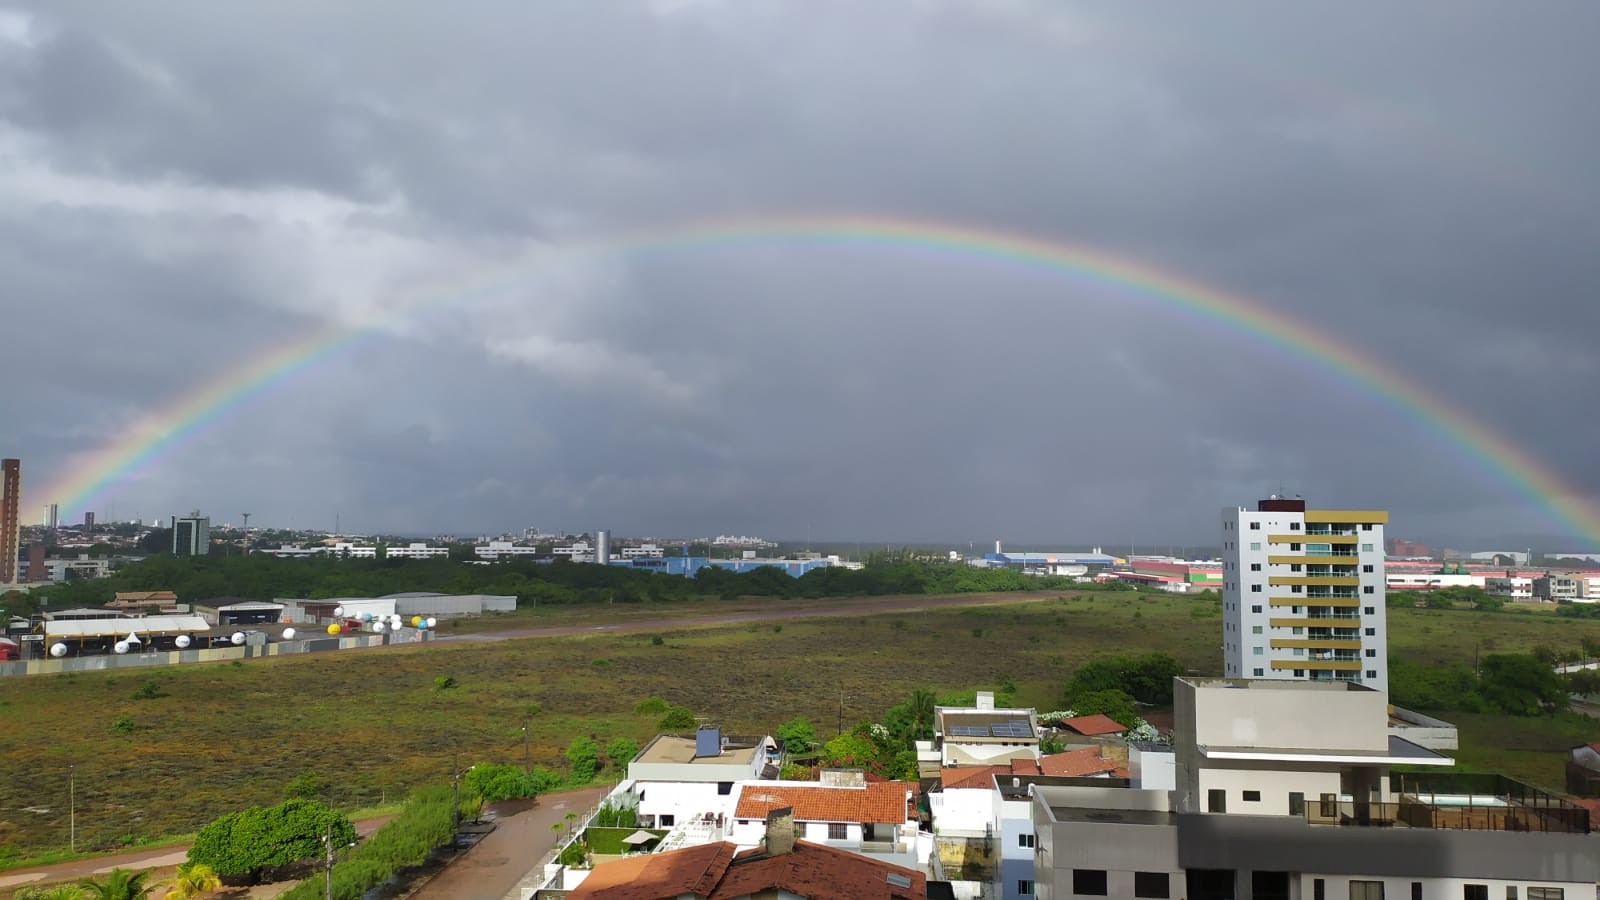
1284 790
1556 589
681 777
877 818
506 550
983 735
416 550
643 551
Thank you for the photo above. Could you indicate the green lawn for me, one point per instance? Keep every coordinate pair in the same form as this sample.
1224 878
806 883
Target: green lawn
227 735
608 841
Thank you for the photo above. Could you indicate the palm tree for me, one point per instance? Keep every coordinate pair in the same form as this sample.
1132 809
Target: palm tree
194 880
922 710
120 884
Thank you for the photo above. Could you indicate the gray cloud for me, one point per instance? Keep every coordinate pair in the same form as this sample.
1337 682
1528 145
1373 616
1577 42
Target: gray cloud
184 190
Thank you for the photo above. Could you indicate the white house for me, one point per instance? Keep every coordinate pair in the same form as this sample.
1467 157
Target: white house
677 778
983 735
878 819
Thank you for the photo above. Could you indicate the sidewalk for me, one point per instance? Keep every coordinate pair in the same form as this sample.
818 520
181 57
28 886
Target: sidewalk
492 869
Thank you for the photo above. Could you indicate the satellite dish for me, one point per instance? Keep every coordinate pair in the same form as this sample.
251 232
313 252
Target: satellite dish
238 638
288 634
181 640
120 646
58 650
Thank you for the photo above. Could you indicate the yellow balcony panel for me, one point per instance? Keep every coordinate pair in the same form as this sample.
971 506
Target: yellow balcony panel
1328 665
1316 643
1303 600
1318 580
1298 623
1295 537
1346 517
1318 560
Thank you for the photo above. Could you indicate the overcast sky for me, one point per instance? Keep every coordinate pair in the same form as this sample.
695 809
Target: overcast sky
185 186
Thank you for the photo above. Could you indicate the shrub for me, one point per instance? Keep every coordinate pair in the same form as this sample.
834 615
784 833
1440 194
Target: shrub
651 706
252 840
123 725
657 641
150 690
427 821
678 718
494 783
621 750
305 786
583 755
444 683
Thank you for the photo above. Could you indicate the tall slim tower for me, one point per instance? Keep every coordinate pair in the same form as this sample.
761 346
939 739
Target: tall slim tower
191 535
52 516
10 502
1303 593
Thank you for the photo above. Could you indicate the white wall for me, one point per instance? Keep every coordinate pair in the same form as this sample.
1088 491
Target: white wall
1337 887
1275 787
962 811
683 800
1152 770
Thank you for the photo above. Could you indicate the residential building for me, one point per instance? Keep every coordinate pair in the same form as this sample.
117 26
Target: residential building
10 498
781 866
877 818
1303 593
52 516
37 569
1285 789
1512 585
682 777
88 522
983 735
191 535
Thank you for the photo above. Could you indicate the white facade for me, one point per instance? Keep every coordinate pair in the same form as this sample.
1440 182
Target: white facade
416 551
1517 587
1303 594
643 551
578 552
504 550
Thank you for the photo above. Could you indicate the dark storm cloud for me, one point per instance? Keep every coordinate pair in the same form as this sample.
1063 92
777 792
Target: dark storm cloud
187 189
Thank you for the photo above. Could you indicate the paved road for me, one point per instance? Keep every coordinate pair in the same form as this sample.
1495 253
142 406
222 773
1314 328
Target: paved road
865 606
491 869
163 858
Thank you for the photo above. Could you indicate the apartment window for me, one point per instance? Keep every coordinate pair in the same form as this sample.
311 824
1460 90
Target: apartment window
1255 545
1024 888
1294 589
1371 653
1319 889
1089 882
1366 568
1366 548
838 831
1257 651
1255 526
1256 673
1025 840
1544 893
1372 632
1255 588
1367 589
1371 674
1294 526
1474 892
1256 609
1299 673
1295 567
1255 567
1369 890
724 788
1299 651
1297 631
1217 800
1294 548
1416 891
1511 892
1297 803
1152 885
1255 629
1252 796
666 821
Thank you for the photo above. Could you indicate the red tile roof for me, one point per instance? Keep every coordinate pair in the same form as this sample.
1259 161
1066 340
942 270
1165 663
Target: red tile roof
1082 762
953 777
813 870
713 871
692 870
1091 726
876 802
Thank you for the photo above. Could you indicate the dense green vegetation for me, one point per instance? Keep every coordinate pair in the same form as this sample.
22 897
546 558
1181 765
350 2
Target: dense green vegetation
256 839
427 821
560 582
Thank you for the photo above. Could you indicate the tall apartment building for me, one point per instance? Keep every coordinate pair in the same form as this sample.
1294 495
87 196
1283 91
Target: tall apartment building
1302 593
191 535
10 498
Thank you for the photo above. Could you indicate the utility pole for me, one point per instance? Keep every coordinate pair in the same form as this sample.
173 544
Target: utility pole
72 806
246 533
328 869
527 761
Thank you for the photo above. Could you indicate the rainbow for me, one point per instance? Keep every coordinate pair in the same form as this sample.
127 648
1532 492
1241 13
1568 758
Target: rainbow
163 433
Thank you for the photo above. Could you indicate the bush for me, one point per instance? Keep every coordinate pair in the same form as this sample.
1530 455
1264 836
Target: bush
583 755
253 840
621 750
651 706
444 683
678 718
427 821
150 690
494 783
657 641
123 725
305 786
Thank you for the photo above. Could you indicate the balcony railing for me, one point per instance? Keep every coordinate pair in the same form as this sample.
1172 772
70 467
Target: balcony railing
1334 615
1462 802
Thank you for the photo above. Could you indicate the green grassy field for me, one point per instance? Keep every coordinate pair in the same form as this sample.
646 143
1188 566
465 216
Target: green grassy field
373 723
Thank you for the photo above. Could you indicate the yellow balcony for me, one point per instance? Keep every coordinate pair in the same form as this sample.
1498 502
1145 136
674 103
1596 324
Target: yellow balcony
1318 560
1316 643
1318 580
1298 622
1346 517
1296 537
1333 665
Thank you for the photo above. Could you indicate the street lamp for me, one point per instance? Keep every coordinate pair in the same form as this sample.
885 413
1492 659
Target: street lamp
327 841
